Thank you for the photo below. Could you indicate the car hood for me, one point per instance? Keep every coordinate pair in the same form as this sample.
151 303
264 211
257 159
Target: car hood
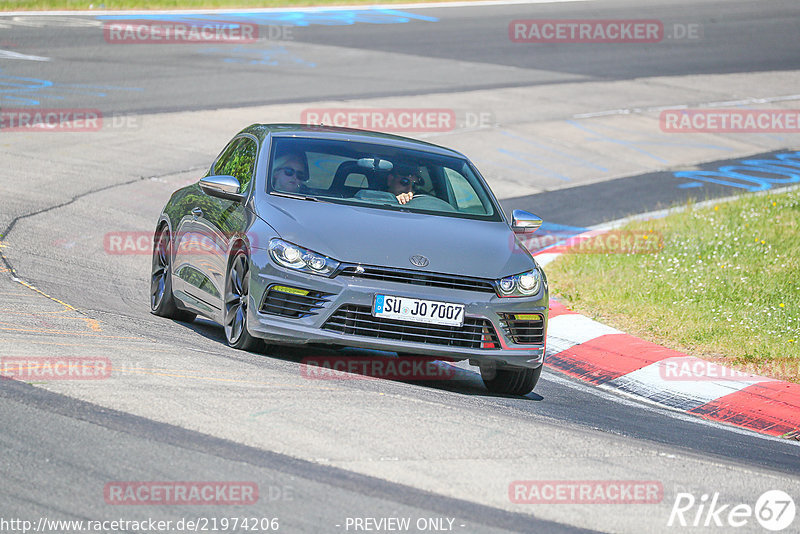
370 236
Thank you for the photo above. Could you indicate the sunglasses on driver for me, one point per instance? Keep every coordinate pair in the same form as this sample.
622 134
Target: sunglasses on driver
290 172
408 179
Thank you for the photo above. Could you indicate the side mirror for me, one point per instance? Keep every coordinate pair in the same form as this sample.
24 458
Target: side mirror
222 186
523 222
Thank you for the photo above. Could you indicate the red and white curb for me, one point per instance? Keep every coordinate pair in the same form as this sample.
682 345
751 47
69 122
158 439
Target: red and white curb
593 352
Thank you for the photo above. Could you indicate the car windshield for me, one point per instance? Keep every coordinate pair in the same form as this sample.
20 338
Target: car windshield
378 176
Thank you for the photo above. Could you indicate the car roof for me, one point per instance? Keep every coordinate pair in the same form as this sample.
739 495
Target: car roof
345 134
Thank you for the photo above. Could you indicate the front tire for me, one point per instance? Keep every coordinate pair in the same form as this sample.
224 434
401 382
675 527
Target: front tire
511 380
237 297
162 303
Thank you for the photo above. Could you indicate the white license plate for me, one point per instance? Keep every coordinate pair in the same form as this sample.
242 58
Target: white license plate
418 311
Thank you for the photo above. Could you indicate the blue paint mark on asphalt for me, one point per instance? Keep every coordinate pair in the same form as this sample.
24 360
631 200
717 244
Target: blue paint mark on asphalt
635 145
11 87
21 91
487 162
526 158
322 17
630 139
749 174
570 157
273 56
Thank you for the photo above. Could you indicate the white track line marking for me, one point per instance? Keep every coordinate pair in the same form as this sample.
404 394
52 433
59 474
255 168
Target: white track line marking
479 3
718 104
8 54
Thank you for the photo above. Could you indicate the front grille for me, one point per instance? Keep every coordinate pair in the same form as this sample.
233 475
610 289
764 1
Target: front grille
524 330
406 276
285 304
358 320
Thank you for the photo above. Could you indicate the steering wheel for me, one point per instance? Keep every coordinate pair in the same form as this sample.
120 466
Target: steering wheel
432 201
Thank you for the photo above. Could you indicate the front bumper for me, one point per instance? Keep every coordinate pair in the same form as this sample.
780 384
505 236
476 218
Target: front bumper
487 310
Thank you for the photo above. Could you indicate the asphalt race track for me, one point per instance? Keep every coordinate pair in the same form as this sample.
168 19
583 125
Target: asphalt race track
569 131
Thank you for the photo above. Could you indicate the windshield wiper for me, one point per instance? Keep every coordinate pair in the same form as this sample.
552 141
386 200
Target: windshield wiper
294 195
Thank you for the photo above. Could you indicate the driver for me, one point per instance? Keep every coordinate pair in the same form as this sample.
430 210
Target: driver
290 173
401 180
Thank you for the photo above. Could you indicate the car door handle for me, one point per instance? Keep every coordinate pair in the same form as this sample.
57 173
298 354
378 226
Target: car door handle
197 212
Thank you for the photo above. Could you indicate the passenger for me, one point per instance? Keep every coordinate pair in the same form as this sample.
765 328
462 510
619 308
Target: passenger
401 181
289 174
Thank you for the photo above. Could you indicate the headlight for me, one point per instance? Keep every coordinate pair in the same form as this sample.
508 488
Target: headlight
291 256
528 282
520 285
506 285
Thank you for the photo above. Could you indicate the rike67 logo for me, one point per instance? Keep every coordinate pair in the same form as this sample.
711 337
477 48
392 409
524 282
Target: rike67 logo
774 510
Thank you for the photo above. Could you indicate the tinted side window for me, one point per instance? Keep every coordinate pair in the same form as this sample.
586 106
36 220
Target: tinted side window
223 158
466 197
238 161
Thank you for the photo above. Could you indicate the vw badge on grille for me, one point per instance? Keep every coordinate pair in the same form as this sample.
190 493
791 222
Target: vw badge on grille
419 260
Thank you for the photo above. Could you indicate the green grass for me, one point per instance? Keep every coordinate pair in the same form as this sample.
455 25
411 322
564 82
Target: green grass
59 5
724 286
